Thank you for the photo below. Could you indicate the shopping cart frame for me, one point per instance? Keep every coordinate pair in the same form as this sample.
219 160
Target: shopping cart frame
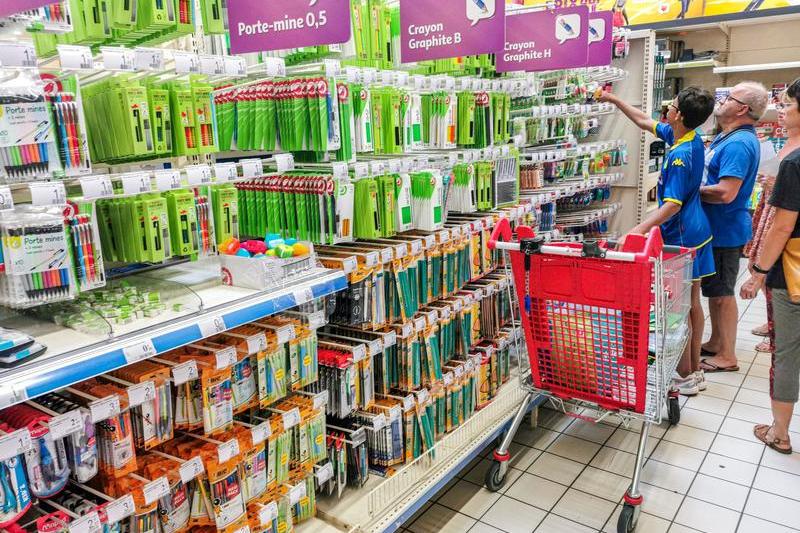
665 358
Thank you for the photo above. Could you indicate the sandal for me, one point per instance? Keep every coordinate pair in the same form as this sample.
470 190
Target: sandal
783 446
761 331
765 347
706 353
708 366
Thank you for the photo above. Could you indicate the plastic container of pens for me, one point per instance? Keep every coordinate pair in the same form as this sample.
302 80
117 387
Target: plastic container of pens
36 256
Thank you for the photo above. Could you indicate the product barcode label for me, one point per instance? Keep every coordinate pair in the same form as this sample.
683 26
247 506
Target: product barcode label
104 408
226 357
252 168
15 443
228 450
185 372
226 171
6 199
46 194
211 326
65 424
284 162
158 488
320 399
198 175
141 393
136 183
260 433
88 523
168 180
191 469
96 187
291 418
138 351
268 513
120 509
118 58
256 343
324 473
302 296
359 352
149 58
74 57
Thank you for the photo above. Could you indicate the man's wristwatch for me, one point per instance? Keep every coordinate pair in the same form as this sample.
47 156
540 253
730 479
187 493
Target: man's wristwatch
760 270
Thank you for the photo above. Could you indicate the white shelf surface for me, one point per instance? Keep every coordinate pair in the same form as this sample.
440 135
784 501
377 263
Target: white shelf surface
73 356
697 63
757 67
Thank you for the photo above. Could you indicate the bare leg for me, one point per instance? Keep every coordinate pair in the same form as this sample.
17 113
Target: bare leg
781 416
698 322
713 344
727 313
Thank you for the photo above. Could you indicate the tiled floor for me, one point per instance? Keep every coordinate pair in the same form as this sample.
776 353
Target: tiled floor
707 474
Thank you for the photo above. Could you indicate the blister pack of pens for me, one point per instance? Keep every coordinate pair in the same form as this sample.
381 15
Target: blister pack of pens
53 17
145 517
153 418
15 491
174 506
84 242
69 126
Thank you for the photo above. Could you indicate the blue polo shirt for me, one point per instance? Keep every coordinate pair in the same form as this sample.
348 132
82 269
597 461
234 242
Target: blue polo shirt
737 155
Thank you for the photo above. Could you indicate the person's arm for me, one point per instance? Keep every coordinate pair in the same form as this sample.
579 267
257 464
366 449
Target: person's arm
723 192
668 210
775 241
637 116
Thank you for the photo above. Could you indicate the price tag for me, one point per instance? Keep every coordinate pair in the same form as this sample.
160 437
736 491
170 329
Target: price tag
420 324
361 170
65 424
340 170
88 523
141 393
459 371
256 343
6 199
275 67
198 175
470 366
235 66
394 165
444 235
46 194
73 56
349 264
375 347
324 473
96 187
226 357
186 62
212 65
17 55
158 488
291 418
389 339
285 334
371 259
423 396
268 513
226 171
333 67
185 372
120 509
191 469
228 450
359 352
448 378
118 58
167 180
452 158
359 436
15 443
320 399
104 408
316 320
297 493
302 296
376 167
378 422
136 183
387 255
243 529
149 58
260 433
140 350
285 162
409 402
211 326
252 168
408 329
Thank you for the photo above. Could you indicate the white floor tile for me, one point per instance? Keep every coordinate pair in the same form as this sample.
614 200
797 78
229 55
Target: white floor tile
779 461
556 524
647 522
777 482
756 398
751 524
709 404
439 518
773 508
660 502
707 517
750 413
554 420
759 371
628 441
522 456
678 455
469 499
678 528
615 461
584 508
512 515
689 436
574 448
756 383
729 469
733 379
720 390
603 484
597 433
556 468
667 476
480 527
536 491
701 419
719 492
741 429
539 438
737 448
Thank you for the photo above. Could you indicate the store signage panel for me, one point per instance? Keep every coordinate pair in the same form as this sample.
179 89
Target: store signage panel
11 7
600 39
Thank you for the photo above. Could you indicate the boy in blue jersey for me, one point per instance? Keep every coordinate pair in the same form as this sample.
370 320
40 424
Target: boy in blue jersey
680 214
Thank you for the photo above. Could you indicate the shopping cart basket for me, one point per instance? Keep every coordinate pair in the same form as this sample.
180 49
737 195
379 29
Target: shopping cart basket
604 332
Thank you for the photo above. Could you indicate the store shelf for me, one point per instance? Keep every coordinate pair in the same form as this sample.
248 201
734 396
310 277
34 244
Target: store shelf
757 67
73 356
697 63
385 504
552 193
587 216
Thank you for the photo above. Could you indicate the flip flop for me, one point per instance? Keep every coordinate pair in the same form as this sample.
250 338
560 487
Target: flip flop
764 347
711 367
761 430
706 353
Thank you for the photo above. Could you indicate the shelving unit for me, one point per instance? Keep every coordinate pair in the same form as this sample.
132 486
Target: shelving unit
697 63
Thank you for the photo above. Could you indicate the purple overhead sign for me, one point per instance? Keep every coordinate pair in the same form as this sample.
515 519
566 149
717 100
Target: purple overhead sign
10 7
438 29
545 40
600 39
264 25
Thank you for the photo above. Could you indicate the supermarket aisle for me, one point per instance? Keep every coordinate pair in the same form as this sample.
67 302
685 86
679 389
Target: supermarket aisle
707 474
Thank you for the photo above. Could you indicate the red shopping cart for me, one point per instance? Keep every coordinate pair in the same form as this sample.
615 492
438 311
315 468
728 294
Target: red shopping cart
604 332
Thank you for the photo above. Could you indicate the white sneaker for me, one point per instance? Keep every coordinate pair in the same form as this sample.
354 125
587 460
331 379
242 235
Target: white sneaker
686 386
700 379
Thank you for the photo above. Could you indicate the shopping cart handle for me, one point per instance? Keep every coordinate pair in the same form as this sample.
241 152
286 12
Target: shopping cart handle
501 236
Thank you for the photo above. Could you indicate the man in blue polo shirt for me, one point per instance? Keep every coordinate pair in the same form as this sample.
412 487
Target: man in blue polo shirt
731 163
680 215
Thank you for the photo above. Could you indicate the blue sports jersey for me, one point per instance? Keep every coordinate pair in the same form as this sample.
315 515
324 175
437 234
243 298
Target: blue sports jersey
679 183
736 154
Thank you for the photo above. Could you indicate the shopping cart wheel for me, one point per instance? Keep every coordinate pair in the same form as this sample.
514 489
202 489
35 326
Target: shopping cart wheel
674 412
628 518
496 476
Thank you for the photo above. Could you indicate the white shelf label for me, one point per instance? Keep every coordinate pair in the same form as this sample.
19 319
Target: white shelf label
408 329
149 58
6 199
243 529
15 443
409 402
448 378
252 168
275 67
73 56
268 513
226 357
104 408
360 170
120 509
291 418
302 296
228 450
321 399
316 320
141 393
297 493
423 396
185 372
118 58
285 334
65 424
168 180
186 62
285 162
375 346
389 339
359 352
226 171
324 473
387 254
260 433
136 183
235 66
140 350
88 523
378 422
46 194
211 326
212 65
198 175
340 170
158 488
256 343
17 55
420 324
96 187
191 469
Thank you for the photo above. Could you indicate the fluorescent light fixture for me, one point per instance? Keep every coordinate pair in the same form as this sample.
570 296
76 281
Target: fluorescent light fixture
760 66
